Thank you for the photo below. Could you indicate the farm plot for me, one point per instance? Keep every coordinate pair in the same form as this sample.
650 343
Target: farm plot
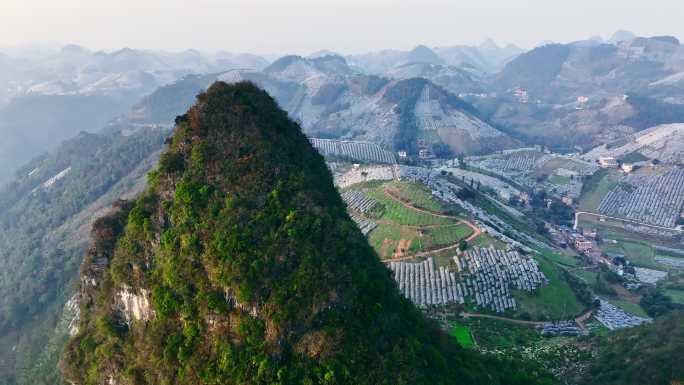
462 334
486 277
365 225
425 285
490 275
359 202
654 200
400 214
613 317
417 194
358 151
518 161
596 188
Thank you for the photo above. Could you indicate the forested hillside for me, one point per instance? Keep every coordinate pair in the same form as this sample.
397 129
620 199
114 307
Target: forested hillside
44 217
650 354
240 265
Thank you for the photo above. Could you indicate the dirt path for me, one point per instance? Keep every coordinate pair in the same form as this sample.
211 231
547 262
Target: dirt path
579 320
402 248
582 318
511 320
476 230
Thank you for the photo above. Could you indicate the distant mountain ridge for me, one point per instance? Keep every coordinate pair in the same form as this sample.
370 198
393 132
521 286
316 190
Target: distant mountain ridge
50 97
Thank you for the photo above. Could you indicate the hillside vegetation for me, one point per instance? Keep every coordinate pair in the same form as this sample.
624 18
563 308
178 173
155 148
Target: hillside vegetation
648 354
253 272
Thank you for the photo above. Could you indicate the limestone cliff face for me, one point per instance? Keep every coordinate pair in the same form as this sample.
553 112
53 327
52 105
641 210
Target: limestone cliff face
104 234
134 306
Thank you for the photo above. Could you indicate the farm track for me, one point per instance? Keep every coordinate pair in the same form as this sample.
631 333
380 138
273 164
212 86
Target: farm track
579 320
499 318
476 230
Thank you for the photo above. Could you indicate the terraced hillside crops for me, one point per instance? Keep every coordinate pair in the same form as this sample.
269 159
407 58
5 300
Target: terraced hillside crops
357 151
656 200
407 218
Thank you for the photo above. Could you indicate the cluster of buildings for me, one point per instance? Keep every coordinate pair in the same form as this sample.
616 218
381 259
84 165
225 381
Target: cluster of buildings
612 162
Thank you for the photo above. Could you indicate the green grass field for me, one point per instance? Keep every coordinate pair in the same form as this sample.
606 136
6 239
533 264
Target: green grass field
424 230
447 235
640 254
493 334
554 301
400 214
462 334
587 276
558 257
418 194
421 239
676 295
486 240
596 187
559 179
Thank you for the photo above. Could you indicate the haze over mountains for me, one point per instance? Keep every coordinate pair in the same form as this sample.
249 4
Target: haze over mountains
47 97
426 102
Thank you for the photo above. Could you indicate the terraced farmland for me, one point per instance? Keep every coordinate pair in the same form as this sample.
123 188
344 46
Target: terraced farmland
656 200
405 219
357 151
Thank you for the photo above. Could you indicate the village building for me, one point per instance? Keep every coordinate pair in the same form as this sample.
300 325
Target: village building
583 244
627 167
590 233
608 162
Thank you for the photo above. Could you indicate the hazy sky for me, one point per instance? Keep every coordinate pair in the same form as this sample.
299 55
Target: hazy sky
303 26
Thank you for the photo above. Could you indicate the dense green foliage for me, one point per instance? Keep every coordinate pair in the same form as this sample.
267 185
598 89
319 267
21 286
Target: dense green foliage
649 354
29 211
254 271
657 303
40 259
